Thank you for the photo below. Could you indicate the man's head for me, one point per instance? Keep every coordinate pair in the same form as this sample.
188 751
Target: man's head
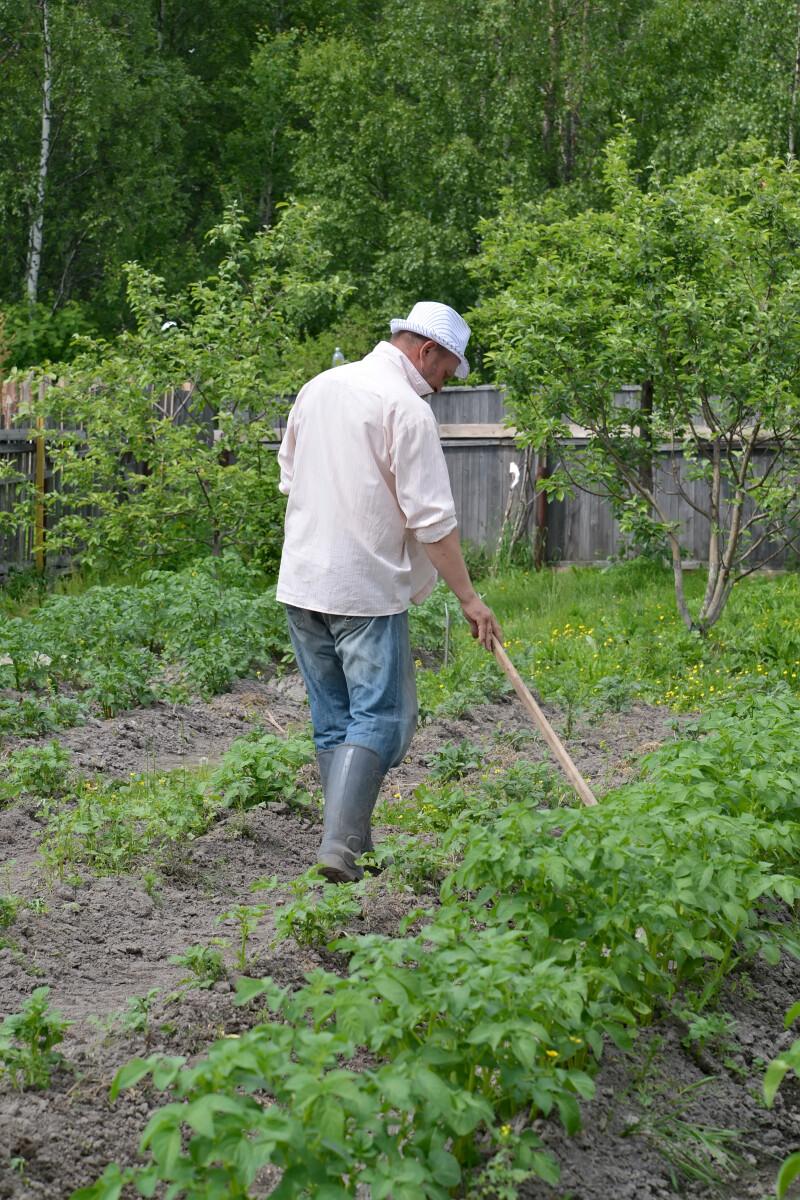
433 337
435 364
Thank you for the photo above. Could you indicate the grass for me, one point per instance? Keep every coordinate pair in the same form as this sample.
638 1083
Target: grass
603 638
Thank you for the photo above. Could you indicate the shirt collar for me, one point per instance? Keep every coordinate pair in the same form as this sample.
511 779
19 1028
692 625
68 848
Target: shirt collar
395 356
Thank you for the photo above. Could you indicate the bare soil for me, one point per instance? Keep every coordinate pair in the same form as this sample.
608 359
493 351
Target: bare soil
110 939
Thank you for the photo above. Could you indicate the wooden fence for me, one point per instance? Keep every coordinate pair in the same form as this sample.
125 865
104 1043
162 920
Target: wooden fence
482 457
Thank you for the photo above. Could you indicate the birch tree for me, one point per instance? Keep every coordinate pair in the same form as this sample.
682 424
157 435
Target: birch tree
37 208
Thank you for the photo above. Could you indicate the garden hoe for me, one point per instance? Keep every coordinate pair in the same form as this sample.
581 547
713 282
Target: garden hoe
543 725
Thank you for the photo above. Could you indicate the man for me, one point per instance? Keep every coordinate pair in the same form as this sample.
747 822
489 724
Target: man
369 522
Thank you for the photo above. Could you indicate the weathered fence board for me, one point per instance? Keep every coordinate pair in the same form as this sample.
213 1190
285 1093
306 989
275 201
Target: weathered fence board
479 452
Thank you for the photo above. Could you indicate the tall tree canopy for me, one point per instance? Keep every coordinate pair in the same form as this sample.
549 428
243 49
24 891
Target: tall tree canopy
126 130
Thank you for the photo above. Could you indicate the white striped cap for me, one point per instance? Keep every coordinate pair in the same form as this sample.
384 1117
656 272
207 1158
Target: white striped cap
441 324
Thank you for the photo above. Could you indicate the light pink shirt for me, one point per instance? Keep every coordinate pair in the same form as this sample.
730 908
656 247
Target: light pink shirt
363 467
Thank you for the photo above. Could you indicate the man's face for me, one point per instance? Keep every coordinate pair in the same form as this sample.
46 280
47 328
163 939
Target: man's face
436 365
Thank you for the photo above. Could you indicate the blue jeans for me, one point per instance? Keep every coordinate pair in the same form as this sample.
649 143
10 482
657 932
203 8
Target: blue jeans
359 675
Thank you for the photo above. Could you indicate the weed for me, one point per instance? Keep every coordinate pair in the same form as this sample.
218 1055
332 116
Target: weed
417 865
700 1153
150 883
500 1179
27 1039
204 963
517 739
711 1029
137 1019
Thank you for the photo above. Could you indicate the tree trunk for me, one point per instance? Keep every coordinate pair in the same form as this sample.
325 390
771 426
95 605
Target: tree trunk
795 86
161 22
646 428
37 214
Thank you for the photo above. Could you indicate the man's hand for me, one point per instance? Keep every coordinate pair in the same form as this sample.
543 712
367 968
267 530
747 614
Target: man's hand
446 556
481 621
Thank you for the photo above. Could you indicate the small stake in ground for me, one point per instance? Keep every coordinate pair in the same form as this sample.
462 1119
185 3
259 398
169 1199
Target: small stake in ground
543 725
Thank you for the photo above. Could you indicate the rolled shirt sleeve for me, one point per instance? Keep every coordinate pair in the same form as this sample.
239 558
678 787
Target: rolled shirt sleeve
422 481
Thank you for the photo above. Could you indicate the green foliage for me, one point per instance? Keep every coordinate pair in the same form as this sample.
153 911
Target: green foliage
163 117
454 762
40 770
204 964
713 1029
311 919
108 825
31 717
261 768
541 947
159 487
780 1066
248 917
27 1039
175 633
500 1178
670 288
427 621
472 679
694 1151
9 907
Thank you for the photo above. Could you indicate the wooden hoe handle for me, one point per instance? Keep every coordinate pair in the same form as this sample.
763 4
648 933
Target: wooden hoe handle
543 725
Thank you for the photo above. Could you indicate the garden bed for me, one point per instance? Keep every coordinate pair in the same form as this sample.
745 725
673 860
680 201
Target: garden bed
111 938
127 841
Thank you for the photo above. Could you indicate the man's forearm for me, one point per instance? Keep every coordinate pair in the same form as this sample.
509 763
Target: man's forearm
446 556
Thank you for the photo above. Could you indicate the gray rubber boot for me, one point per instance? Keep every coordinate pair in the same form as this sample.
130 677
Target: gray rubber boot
351 782
373 865
324 759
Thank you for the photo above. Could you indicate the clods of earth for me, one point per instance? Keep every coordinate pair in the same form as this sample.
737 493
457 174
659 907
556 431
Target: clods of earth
111 938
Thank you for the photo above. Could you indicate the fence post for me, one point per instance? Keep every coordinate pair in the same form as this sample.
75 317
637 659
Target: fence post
39 518
540 546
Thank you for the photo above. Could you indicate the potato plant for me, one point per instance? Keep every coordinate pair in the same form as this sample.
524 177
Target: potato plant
27 1041
176 634
541 947
778 1069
